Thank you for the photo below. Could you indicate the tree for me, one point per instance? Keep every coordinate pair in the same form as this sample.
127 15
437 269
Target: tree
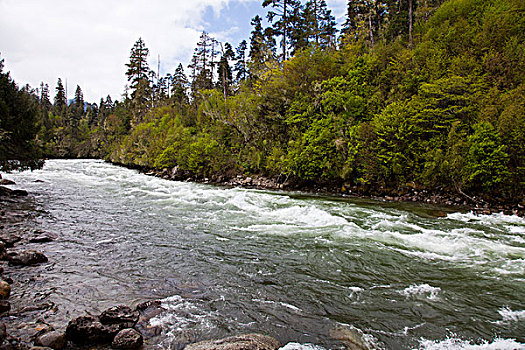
60 97
138 74
18 126
224 71
283 20
78 103
179 85
240 66
365 18
202 64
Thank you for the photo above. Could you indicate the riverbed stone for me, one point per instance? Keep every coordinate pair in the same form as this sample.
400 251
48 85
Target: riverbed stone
26 258
55 340
127 339
147 311
44 237
3 332
122 315
5 289
3 253
7 192
9 239
89 330
5 306
241 342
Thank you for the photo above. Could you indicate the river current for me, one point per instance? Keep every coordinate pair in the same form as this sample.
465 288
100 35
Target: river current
298 267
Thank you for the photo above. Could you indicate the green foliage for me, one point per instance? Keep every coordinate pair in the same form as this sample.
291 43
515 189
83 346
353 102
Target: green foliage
487 161
18 126
446 114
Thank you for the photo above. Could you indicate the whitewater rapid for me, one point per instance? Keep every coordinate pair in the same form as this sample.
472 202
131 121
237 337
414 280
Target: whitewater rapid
291 265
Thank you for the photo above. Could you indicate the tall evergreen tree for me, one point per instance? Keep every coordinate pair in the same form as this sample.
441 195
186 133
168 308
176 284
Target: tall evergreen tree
60 97
202 64
240 64
179 85
283 19
224 71
138 74
257 49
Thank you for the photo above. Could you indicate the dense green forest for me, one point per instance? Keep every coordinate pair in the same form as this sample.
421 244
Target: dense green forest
410 94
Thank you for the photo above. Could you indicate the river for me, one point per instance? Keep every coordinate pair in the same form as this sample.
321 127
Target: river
295 266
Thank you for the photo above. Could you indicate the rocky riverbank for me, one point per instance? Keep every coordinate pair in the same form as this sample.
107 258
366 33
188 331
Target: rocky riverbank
411 194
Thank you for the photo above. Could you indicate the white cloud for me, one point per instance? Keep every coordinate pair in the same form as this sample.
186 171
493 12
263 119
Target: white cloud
88 42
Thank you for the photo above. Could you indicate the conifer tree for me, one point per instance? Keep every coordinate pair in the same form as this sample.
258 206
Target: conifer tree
179 85
138 74
240 66
60 97
283 19
224 71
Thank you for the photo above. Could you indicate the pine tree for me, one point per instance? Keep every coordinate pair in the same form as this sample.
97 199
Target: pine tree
60 98
224 71
240 66
179 85
283 19
138 74
79 100
202 64
257 49
45 102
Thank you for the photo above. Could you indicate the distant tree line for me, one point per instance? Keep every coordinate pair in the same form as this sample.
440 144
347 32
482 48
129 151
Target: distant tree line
410 94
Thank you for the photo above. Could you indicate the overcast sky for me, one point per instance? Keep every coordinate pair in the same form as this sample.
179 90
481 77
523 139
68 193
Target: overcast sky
89 42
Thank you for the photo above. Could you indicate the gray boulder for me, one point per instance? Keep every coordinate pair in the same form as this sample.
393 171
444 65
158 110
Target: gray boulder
127 339
121 315
54 340
89 330
242 342
26 258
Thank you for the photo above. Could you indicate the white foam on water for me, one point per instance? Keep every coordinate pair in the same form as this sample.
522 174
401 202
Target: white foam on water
422 289
297 346
286 305
509 315
181 315
355 292
455 343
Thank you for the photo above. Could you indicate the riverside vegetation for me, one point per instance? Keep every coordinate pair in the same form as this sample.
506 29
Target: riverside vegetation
410 96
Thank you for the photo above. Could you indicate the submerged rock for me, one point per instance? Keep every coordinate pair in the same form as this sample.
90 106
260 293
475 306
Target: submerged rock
44 237
89 330
7 182
127 339
3 252
3 332
26 258
7 192
9 239
5 290
242 342
54 340
4 306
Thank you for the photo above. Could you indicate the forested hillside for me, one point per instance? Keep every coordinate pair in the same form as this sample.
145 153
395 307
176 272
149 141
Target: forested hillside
411 94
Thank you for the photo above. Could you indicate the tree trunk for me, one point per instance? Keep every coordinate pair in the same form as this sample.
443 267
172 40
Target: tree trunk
285 26
410 39
371 31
